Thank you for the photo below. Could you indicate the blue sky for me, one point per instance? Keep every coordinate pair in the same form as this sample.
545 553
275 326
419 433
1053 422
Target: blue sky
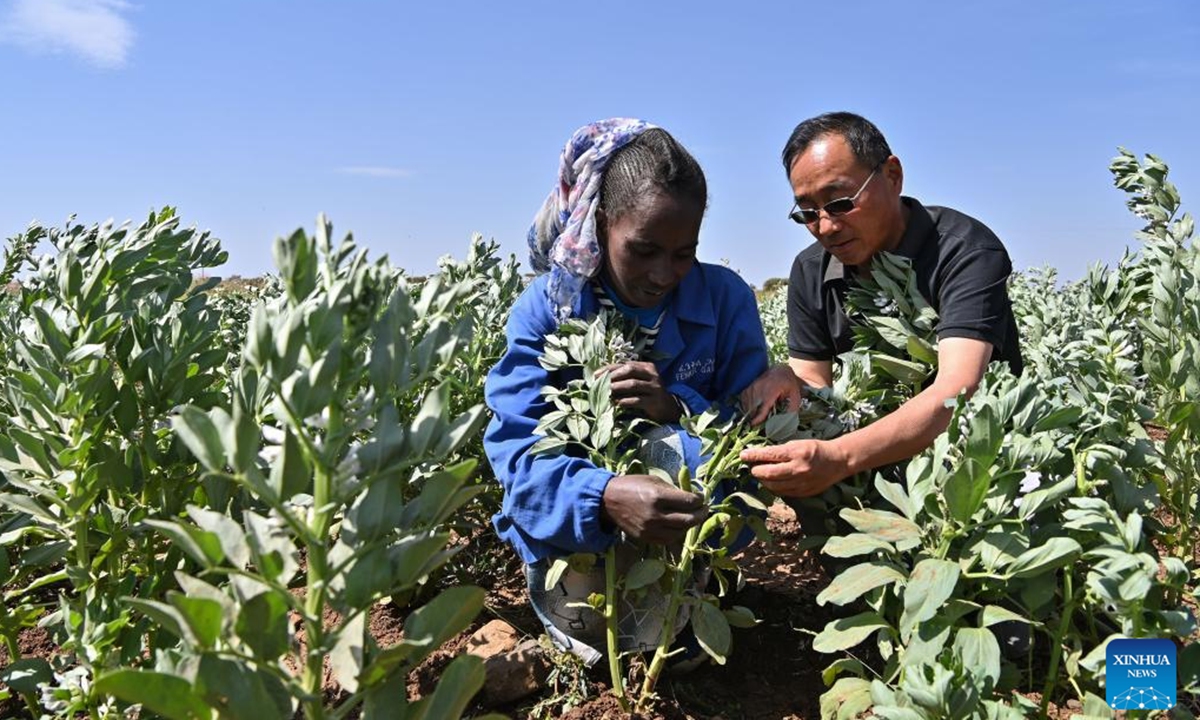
414 125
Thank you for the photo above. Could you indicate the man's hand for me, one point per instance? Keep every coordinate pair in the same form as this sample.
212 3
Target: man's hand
777 383
636 385
800 468
651 510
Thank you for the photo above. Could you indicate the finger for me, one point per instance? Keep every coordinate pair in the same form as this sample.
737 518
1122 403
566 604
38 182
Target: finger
763 410
673 500
768 454
632 387
637 370
780 472
682 521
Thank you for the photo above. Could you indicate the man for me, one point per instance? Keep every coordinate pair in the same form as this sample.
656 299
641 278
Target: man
847 186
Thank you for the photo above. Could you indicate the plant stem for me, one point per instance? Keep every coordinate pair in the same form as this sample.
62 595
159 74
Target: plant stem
610 621
1056 647
682 573
314 601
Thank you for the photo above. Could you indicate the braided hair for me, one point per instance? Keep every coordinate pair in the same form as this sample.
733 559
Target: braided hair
652 162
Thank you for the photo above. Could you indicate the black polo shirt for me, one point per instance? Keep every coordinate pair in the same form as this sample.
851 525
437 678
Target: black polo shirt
961 269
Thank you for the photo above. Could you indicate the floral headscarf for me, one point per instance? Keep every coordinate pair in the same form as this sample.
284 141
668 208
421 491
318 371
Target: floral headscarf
562 239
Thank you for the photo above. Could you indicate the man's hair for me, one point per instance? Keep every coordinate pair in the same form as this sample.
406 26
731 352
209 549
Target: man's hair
865 141
654 161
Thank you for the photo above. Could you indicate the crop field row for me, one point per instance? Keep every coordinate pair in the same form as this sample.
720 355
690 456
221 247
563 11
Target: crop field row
205 488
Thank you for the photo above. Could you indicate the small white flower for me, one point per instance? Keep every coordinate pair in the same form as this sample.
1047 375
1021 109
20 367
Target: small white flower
273 434
1032 481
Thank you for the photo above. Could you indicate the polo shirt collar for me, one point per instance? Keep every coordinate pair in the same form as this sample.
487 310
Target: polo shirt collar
920 227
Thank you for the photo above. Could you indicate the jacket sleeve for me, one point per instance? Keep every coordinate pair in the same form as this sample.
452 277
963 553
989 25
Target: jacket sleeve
551 503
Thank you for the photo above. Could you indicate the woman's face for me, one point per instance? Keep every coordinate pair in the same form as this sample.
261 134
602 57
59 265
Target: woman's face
649 249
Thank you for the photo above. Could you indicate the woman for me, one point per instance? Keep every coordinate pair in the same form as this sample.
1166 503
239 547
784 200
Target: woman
621 230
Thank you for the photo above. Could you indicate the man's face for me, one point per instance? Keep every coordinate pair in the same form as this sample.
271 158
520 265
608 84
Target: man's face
828 170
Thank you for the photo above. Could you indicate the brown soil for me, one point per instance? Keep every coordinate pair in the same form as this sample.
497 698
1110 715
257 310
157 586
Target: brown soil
772 672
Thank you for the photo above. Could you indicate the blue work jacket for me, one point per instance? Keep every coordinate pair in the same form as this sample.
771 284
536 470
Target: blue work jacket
710 348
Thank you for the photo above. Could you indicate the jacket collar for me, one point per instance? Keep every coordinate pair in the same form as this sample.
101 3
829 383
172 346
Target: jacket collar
691 304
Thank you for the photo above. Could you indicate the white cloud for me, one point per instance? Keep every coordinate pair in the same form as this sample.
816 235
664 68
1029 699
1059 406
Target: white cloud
375 171
93 29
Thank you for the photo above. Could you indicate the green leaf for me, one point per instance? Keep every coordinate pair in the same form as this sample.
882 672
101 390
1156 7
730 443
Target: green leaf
262 623
883 525
165 615
454 691
414 557
993 614
855 544
440 496
856 581
929 587
712 630
346 658
985 437
841 665
848 698
204 616
290 475
84 352
998 548
966 489
29 506
271 549
240 437
845 633
446 615
921 350
1031 503
554 572
643 573
26 674
200 435
386 699
1062 418
378 512
980 653
228 532
239 692
1055 553
168 695
902 370
740 617
894 494
926 643
203 546
751 502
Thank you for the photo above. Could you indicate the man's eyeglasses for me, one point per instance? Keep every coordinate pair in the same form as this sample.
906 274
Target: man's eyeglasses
833 208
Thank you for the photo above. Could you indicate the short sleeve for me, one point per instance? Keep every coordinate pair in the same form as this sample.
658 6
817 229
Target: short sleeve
973 298
808 332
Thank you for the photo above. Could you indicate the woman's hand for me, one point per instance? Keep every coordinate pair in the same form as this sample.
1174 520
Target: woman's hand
650 509
636 385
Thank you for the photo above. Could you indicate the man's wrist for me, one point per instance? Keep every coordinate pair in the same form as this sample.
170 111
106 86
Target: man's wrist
843 453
